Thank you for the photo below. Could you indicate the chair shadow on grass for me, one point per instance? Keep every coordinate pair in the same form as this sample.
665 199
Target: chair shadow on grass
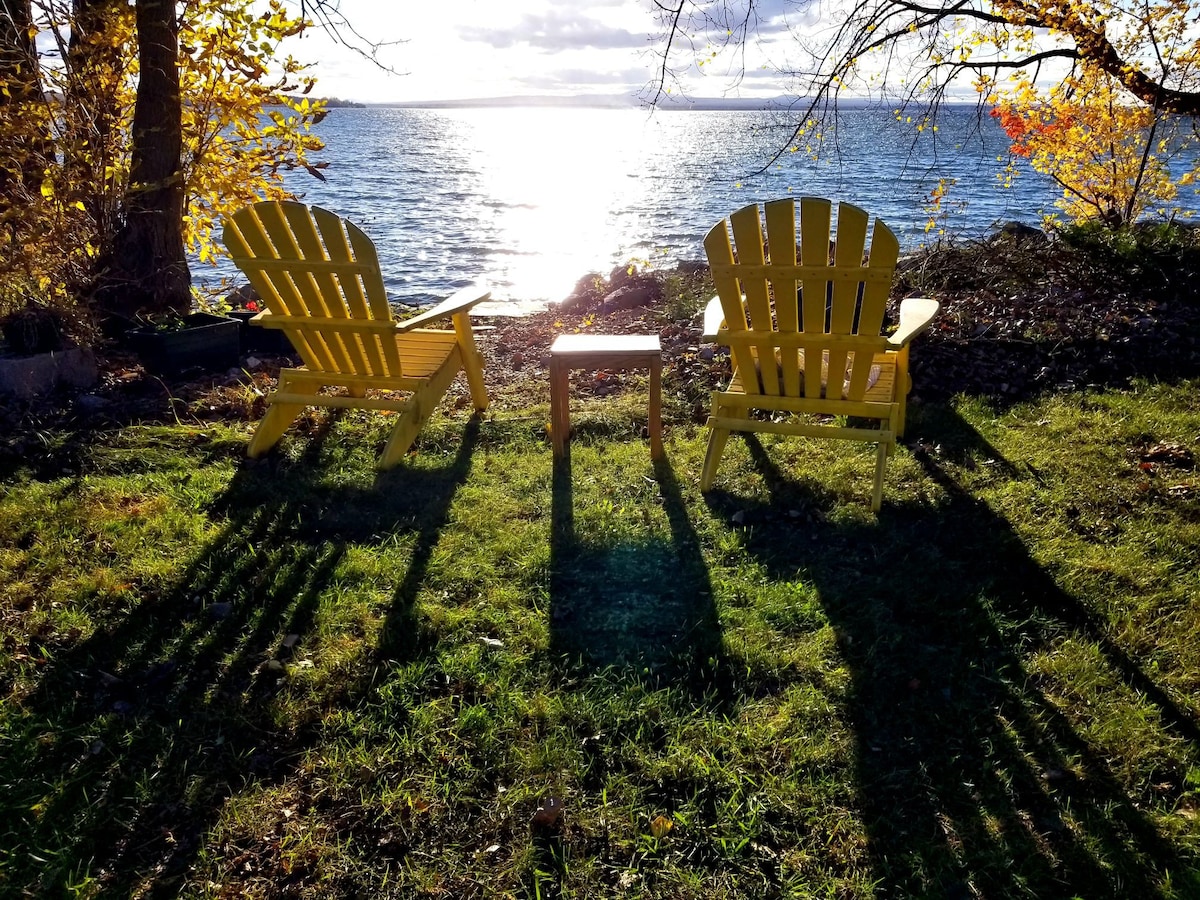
643 606
144 730
971 782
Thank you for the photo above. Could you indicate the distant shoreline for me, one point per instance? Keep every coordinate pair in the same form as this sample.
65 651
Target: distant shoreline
671 104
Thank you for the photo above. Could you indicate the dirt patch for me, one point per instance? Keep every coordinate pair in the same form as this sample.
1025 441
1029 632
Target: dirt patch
1024 316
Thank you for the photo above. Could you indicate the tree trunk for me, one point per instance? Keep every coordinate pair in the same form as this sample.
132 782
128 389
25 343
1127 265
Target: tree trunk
147 272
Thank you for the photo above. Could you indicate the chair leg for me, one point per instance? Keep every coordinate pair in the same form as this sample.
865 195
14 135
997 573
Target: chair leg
472 360
403 435
420 407
903 386
473 366
654 426
881 457
716 446
277 419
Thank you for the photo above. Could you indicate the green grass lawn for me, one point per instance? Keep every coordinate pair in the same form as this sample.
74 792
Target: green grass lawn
300 677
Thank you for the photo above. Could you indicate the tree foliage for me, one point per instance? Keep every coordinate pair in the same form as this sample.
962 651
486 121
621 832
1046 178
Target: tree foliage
1111 157
94 198
1087 88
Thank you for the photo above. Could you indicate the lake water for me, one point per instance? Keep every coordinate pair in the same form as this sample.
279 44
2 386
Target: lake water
530 200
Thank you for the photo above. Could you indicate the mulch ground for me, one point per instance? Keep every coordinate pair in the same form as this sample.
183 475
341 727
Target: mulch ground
1020 317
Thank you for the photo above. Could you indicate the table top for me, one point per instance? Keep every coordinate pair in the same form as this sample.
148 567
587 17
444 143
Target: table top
615 344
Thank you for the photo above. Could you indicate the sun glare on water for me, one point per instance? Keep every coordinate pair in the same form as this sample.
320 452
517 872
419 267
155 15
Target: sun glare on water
558 180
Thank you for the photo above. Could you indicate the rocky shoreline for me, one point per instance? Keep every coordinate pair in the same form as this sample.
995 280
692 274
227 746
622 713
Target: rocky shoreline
1020 317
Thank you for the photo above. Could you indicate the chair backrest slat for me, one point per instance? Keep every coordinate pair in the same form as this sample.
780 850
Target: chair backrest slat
842 292
781 243
725 280
375 299
748 239
814 252
334 274
849 251
293 227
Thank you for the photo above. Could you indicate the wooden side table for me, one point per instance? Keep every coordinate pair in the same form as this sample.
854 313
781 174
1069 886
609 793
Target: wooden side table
600 351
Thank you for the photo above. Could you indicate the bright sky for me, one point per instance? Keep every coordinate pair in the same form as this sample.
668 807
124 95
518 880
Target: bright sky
458 49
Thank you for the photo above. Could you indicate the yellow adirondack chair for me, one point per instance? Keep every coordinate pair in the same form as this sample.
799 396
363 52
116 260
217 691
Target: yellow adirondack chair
814 321
319 277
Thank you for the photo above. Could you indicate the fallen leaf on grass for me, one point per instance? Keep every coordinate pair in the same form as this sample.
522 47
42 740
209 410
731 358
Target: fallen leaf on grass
548 814
661 826
1171 454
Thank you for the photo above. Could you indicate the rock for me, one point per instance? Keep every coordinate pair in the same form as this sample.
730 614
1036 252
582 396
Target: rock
26 377
241 295
1019 231
549 814
636 292
622 275
587 290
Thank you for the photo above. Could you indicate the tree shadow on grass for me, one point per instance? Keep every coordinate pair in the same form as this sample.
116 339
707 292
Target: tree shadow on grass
135 738
971 781
643 606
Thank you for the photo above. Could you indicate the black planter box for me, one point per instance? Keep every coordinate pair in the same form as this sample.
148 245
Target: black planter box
204 341
256 339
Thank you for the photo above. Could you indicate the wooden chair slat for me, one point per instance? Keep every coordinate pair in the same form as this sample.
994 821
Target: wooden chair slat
781 240
823 355
720 251
748 239
319 277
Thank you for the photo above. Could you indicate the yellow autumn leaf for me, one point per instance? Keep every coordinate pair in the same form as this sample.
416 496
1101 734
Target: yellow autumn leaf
661 826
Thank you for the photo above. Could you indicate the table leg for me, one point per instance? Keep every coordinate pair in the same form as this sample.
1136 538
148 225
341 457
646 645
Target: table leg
656 441
560 410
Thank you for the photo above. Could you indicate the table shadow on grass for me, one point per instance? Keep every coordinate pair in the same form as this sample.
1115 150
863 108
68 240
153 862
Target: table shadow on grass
971 782
643 606
135 737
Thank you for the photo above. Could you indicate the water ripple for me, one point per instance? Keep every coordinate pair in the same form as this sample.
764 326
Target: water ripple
449 196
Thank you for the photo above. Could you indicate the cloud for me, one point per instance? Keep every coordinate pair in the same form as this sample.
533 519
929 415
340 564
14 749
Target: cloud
555 31
769 19
613 81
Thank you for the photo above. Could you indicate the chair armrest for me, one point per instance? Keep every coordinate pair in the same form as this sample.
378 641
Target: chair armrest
915 315
458 302
714 320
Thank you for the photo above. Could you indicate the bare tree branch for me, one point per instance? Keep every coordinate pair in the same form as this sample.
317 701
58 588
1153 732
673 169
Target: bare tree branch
920 29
